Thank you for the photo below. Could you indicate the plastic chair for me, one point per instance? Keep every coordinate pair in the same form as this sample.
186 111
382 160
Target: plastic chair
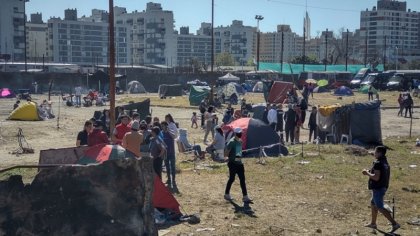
346 138
332 134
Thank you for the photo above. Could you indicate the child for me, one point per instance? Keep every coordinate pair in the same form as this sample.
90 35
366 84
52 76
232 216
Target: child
194 120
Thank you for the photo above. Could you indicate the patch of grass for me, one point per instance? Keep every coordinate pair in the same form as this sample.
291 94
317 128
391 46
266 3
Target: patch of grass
27 174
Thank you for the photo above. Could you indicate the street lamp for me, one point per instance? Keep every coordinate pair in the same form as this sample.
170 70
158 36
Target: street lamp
258 18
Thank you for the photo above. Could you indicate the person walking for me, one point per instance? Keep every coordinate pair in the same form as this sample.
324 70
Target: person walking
312 124
233 152
401 104
379 182
132 141
272 117
370 93
408 104
208 116
290 124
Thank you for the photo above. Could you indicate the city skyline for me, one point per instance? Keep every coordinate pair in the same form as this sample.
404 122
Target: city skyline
346 14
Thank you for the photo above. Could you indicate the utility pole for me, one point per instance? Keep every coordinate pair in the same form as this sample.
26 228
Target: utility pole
258 18
366 47
304 45
282 52
24 33
384 60
326 50
111 66
347 48
212 35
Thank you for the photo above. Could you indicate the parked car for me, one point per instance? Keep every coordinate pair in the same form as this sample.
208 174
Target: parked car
403 81
381 80
358 78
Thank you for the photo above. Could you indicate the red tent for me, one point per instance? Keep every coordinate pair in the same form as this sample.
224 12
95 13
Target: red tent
162 198
279 91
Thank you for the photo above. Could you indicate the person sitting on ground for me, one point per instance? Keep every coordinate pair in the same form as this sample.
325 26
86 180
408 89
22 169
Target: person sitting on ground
16 105
217 147
82 137
132 141
97 136
184 140
120 130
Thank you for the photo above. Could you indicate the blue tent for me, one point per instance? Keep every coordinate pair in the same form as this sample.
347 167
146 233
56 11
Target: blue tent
343 91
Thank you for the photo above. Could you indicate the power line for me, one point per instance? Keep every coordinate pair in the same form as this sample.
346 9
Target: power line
313 7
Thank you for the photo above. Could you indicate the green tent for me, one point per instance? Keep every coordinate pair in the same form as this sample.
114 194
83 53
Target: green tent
365 89
197 94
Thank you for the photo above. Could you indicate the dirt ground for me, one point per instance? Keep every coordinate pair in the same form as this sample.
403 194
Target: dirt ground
287 201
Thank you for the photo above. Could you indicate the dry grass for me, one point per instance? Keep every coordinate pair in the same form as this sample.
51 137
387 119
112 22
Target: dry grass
327 196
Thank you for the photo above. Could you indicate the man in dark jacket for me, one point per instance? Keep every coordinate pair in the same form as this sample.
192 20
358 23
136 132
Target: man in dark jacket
312 124
379 182
290 124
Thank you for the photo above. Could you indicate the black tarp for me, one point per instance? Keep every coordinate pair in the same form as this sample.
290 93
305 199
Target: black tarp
260 134
365 123
170 90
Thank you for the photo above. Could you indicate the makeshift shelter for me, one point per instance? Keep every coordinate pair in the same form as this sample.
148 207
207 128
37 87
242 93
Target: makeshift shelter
27 111
162 198
258 87
197 94
321 89
170 90
256 134
279 92
143 108
7 93
343 91
229 78
135 87
359 122
365 89
230 89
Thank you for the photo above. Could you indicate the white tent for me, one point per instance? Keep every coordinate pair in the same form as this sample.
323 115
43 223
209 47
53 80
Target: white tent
135 87
229 77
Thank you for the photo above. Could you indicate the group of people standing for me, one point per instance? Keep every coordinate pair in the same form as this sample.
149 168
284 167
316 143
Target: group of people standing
140 138
405 101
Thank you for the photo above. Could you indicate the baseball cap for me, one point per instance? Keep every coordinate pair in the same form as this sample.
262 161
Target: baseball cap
237 130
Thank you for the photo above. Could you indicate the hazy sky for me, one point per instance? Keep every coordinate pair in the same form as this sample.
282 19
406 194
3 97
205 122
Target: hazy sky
331 14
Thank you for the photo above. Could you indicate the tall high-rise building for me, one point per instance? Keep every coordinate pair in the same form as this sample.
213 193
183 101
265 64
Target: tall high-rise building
271 45
307 26
12 29
390 20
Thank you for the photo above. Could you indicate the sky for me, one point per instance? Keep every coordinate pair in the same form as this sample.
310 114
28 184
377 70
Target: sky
331 14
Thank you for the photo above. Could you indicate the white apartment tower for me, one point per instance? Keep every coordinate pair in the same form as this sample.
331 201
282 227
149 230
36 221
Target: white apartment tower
390 20
37 39
12 30
151 33
307 27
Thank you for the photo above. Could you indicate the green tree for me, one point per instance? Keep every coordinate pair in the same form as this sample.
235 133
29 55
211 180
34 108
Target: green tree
224 59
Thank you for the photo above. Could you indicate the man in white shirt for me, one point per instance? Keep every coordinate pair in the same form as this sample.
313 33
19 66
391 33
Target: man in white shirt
272 117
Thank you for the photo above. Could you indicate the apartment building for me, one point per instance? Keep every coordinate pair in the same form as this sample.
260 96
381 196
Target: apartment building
12 28
85 42
151 34
237 39
392 29
37 39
